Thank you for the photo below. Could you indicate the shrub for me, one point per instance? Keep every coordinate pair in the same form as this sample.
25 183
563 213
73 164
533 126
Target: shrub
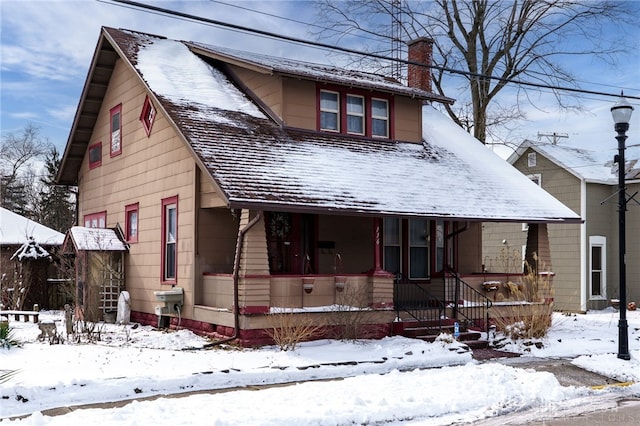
6 337
530 319
288 329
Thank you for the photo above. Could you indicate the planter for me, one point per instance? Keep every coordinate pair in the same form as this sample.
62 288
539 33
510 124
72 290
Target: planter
341 281
631 306
615 303
307 284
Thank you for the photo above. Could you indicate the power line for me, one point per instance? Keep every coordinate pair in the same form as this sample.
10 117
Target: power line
360 53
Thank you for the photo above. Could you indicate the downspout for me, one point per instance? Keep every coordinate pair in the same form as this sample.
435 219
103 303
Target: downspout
236 279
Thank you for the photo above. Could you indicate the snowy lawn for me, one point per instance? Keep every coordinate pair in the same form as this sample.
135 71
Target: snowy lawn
385 381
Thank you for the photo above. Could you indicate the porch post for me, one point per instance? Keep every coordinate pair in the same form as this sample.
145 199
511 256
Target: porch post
377 250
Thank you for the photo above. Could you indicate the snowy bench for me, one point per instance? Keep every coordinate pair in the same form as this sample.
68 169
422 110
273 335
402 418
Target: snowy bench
26 315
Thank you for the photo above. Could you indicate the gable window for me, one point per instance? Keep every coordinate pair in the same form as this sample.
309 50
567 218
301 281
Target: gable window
131 222
95 220
532 161
169 239
380 118
147 115
116 130
329 110
598 267
95 155
355 114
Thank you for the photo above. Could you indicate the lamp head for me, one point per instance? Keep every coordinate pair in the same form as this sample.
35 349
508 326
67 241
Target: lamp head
621 112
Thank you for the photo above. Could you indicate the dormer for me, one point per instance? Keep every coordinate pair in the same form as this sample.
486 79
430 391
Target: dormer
328 99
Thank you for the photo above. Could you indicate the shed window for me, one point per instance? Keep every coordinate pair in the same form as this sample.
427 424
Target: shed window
598 265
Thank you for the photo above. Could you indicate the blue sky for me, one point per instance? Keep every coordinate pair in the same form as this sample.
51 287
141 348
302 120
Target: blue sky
47 46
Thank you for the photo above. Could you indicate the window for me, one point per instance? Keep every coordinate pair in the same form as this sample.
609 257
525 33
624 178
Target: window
169 239
415 248
531 159
131 222
355 114
536 178
96 220
95 155
329 109
598 266
116 130
379 118
147 115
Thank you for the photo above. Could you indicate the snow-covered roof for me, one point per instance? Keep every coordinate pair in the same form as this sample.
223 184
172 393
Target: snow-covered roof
318 72
257 163
17 230
96 239
587 164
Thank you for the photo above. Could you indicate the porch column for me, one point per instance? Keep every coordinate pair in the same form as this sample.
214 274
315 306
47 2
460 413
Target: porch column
377 247
254 281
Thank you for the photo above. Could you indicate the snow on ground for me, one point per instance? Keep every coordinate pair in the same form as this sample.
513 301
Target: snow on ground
380 381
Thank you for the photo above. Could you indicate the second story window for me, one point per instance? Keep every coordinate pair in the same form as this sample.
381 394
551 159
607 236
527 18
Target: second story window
354 112
116 130
380 118
95 155
329 111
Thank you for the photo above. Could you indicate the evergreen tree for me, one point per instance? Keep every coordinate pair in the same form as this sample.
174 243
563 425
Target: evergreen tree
57 203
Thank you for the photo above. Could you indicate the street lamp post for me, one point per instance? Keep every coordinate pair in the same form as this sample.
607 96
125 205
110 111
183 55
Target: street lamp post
621 113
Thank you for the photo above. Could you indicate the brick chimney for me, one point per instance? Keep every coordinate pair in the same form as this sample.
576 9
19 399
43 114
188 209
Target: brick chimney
420 51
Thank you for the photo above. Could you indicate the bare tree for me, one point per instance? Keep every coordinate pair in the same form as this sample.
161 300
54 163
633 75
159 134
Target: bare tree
17 177
503 40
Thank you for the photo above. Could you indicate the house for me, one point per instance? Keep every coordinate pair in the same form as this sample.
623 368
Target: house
585 256
238 177
26 249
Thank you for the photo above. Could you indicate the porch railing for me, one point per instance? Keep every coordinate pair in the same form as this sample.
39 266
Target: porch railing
417 302
466 302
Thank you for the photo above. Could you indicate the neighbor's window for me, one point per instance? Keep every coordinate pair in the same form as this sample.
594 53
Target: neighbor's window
116 130
392 238
95 220
169 239
95 155
329 111
147 115
355 114
532 160
598 265
131 222
380 118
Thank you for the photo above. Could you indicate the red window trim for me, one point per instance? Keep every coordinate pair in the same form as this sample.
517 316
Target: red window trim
99 215
127 224
115 110
342 119
147 121
163 279
98 163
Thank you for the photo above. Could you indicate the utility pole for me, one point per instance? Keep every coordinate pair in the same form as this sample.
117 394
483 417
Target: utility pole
553 137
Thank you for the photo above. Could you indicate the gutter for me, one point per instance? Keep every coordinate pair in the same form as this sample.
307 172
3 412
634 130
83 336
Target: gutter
236 280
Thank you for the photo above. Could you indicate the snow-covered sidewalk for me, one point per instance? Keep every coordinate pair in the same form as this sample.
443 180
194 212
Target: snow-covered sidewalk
388 380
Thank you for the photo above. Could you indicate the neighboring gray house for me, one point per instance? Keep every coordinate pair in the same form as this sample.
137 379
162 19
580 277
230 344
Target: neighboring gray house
585 256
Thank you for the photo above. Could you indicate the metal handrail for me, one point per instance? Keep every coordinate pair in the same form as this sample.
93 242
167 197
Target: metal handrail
416 301
475 305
